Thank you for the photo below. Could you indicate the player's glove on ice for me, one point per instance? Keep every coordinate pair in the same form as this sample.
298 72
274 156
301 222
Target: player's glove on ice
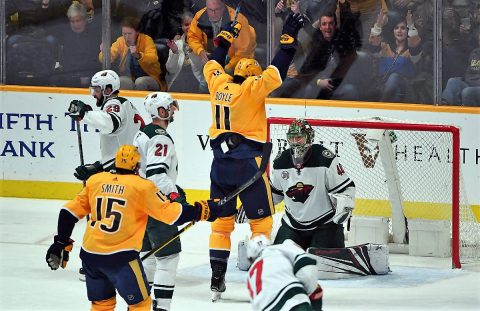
293 23
57 254
77 109
316 298
228 33
83 172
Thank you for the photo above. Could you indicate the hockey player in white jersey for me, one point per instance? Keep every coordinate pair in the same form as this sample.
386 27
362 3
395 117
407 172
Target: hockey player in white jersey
282 277
117 120
160 164
318 194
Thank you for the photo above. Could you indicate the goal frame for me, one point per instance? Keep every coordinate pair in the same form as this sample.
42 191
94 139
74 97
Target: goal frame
455 131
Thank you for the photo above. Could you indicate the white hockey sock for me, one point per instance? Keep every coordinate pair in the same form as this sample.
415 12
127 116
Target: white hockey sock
149 266
164 280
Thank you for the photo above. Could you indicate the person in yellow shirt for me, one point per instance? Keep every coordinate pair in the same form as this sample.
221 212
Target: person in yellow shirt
237 135
119 204
206 25
137 58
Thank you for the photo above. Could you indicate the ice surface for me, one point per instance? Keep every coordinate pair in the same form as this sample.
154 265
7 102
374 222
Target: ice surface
27 227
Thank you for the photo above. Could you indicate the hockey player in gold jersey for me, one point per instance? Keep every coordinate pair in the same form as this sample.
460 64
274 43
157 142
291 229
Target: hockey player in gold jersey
238 133
119 204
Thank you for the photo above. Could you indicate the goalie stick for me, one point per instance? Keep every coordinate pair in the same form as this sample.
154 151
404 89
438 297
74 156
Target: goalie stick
267 148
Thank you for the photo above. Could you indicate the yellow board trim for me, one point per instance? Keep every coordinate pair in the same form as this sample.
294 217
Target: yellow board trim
272 101
139 276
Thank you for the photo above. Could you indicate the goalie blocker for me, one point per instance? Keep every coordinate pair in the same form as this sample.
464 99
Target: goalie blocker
339 263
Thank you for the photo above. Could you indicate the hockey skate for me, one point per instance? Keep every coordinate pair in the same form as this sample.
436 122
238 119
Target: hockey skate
81 276
217 286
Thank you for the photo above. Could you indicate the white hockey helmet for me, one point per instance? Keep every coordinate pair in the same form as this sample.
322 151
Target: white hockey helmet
256 245
105 78
156 100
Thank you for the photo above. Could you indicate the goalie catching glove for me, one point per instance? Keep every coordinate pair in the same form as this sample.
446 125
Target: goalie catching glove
77 109
228 33
291 27
83 172
57 254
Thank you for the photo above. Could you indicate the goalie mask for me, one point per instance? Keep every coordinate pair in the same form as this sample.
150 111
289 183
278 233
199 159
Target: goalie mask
256 245
100 81
247 67
300 138
157 100
127 158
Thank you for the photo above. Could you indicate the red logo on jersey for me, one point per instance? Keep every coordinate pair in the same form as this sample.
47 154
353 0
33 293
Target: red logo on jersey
340 170
300 192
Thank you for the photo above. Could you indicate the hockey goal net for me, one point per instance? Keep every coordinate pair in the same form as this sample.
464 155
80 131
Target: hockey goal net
403 172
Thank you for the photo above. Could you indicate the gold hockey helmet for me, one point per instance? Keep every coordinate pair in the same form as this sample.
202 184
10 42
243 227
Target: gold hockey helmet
247 67
127 157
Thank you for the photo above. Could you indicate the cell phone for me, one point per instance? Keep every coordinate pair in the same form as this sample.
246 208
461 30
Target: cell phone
336 81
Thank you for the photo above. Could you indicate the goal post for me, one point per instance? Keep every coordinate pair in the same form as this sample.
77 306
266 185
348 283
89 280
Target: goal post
403 171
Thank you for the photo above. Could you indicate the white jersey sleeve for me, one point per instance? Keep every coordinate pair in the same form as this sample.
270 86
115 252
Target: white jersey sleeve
118 121
338 181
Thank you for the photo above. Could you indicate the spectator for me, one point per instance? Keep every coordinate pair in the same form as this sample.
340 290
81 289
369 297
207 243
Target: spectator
459 24
365 12
137 58
78 58
332 54
205 27
179 62
465 91
397 48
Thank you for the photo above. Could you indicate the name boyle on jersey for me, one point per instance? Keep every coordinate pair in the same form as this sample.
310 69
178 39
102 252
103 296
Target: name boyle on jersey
300 192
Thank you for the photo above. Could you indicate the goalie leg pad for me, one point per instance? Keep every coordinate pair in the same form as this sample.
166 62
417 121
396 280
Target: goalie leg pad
359 260
243 263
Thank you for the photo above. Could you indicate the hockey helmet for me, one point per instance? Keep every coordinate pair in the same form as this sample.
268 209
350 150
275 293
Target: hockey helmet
247 67
300 137
256 245
127 158
105 78
155 100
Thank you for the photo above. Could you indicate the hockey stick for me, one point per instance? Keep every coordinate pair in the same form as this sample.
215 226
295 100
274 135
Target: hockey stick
80 145
267 148
237 11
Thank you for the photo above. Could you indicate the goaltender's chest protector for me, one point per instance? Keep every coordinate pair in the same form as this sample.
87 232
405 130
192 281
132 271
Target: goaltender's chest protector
239 108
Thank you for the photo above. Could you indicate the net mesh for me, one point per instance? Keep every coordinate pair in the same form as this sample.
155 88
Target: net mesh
424 163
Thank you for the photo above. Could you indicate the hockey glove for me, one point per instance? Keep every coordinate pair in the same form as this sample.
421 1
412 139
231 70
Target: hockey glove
209 210
316 298
292 25
83 172
77 109
57 254
177 197
343 207
228 33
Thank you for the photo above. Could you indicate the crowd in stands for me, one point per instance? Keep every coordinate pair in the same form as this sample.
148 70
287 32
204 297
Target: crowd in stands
368 50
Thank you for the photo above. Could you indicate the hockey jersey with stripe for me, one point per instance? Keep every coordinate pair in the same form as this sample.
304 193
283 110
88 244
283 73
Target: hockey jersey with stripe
159 159
282 277
239 108
118 121
119 206
306 192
